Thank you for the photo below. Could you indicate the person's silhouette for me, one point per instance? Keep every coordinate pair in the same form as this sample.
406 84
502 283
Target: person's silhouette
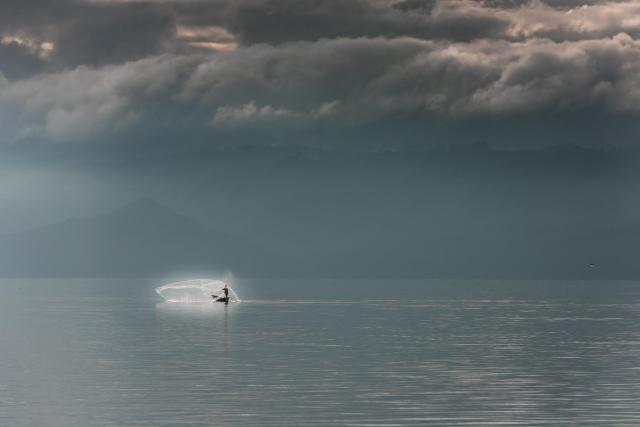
224 298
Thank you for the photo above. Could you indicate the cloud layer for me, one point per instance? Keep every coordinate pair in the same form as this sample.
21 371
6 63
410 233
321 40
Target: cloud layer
80 71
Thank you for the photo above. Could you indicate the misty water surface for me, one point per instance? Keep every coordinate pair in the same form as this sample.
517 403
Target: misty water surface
321 353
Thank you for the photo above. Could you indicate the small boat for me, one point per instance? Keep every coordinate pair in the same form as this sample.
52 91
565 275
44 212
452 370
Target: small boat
223 298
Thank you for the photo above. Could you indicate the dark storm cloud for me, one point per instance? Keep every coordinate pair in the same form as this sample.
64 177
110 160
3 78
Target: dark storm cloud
84 33
552 3
330 83
19 61
223 66
107 32
279 21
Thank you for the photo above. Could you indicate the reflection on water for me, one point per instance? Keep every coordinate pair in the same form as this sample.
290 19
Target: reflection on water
205 310
110 354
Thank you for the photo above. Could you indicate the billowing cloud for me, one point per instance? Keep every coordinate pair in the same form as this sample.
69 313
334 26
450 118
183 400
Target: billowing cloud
86 102
351 81
537 19
278 21
106 32
75 70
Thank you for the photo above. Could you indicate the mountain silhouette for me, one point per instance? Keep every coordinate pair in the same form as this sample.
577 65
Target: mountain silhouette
143 238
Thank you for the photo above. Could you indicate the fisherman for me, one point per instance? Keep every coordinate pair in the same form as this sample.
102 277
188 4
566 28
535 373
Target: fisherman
226 293
224 299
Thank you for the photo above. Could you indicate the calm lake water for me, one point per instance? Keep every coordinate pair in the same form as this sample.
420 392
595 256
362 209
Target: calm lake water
321 353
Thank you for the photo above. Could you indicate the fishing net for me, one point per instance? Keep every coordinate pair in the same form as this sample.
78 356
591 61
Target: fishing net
196 290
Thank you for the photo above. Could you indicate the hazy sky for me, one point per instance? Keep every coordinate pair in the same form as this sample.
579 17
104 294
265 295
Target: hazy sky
105 101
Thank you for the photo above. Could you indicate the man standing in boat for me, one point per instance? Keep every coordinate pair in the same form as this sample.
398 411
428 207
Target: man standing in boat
226 293
225 298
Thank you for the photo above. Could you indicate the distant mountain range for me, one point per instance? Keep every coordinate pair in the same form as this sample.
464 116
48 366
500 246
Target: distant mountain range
143 238
148 239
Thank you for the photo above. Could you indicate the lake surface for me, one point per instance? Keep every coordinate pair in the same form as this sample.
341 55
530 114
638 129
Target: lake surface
321 353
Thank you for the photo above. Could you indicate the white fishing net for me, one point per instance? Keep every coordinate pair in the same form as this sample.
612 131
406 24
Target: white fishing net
196 290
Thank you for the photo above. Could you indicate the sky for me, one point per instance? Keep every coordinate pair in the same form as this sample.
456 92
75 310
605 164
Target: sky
324 119
235 71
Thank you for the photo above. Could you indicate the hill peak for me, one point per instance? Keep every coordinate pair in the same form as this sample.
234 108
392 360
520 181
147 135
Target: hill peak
148 213
143 204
